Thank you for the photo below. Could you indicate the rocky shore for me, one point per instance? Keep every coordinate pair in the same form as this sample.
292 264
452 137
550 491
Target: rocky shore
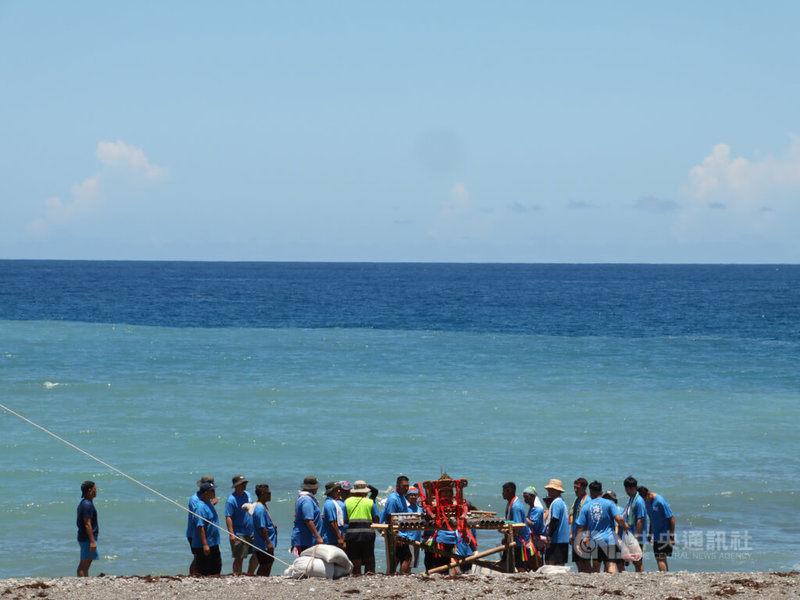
667 586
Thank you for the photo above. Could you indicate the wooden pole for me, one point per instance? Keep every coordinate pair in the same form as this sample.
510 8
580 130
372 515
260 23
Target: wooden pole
391 549
474 559
509 548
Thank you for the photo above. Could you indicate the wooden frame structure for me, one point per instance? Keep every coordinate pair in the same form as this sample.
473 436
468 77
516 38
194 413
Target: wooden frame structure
481 520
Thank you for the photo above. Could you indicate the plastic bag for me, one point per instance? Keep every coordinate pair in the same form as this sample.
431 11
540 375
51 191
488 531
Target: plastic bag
631 551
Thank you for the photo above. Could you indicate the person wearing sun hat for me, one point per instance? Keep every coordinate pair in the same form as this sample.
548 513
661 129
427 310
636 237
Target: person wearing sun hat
360 540
558 531
307 517
240 526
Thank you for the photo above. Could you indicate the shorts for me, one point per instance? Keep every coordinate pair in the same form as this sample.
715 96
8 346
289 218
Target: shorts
597 551
86 552
363 551
575 556
662 549
239 549
403 552
607 553
211 564
264 558
557 553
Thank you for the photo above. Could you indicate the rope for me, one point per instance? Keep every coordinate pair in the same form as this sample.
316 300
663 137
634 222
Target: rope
136 481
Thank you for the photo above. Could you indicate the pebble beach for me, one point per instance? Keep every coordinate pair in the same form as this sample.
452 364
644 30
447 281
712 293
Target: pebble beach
666 586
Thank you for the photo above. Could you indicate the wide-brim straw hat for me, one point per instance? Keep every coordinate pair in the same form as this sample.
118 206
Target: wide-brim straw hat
360 487
555 484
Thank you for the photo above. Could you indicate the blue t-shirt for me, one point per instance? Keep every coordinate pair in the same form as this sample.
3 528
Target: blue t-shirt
207 511
558 510
86 510
536 516
597 518
328 516
462 547
306 508
414 534
636 509
343 528
659 513
193 502
395 503
516 513
261 519
242 521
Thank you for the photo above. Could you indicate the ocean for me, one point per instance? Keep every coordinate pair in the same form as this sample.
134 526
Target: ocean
685 376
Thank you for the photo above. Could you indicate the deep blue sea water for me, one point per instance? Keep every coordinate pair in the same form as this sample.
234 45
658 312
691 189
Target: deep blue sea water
685 376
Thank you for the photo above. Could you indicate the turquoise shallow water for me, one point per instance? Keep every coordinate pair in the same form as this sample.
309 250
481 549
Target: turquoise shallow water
708 421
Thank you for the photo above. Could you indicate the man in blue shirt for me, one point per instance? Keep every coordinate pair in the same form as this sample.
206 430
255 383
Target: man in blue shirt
415 535
584 566
87 527
558 530
264 531
205 533
240 526
635 515
535 520
595 531
307 517
332 516
397 503
193 502
662 526
516 513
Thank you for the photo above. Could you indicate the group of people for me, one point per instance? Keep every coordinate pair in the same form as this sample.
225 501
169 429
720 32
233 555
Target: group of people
592 527
548 529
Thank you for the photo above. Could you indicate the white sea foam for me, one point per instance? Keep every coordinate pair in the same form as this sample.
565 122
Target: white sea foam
51 384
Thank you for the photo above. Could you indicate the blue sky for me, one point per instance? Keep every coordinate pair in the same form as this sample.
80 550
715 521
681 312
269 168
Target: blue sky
403 131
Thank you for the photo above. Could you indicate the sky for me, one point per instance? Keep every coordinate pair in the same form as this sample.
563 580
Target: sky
658 132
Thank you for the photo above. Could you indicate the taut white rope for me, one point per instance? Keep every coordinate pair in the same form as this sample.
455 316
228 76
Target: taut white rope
134 480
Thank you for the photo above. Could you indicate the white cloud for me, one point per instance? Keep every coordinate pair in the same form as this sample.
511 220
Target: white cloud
728 195
89 196
120 154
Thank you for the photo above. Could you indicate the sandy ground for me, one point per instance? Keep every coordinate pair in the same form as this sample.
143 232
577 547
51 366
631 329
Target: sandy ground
668 586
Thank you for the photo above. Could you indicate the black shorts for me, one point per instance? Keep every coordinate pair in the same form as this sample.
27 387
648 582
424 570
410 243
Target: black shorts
575 556
363 551
662 549
211 564
605 554
433 560
557 553
264 558
403 552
